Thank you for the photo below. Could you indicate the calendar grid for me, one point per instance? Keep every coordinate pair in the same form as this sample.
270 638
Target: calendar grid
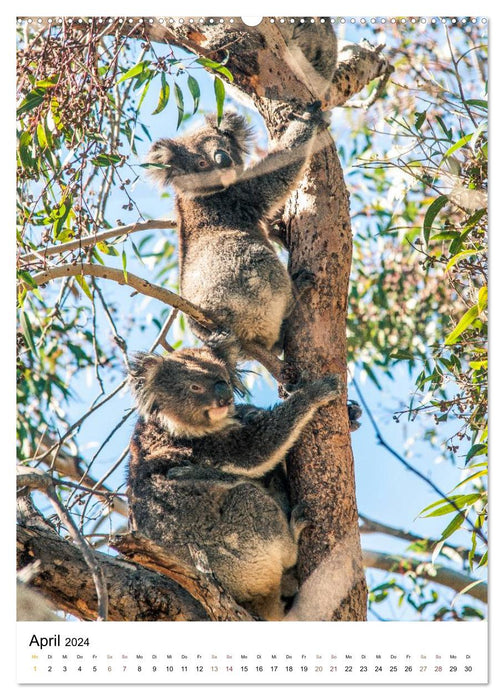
325 653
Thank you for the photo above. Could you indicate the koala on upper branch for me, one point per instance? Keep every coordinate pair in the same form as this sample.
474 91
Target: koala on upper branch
205 472
228 266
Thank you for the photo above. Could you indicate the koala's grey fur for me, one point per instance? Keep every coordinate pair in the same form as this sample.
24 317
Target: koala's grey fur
228 266
204 472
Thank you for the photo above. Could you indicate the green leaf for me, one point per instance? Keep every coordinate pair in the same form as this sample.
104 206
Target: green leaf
461 142
48 82
481 128
467 320
164 95
478 103
478 449
482 298
194 89
144 92
220 94
179 99
103 160
136 70
453 526
420 118
33 99
447 132
431 214
476 475
41 136
457 502
481 364
401 355
27 278
27 331
83 285
473 220
215 66
137 252
124 262
460 256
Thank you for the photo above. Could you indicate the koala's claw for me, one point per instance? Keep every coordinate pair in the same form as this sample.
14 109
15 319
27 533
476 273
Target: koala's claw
354 413
298 520
304 280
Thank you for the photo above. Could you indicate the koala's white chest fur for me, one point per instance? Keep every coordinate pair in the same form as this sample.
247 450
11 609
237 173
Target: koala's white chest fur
238 278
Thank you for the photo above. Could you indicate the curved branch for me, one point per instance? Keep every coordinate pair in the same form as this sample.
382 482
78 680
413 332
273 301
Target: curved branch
441 575
96 238
200 583
266 358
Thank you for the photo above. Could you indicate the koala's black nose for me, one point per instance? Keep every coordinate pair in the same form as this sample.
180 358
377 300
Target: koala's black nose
222 159
223 393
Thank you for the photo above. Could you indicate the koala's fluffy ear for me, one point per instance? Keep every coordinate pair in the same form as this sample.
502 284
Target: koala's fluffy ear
158 159
141 364
235 126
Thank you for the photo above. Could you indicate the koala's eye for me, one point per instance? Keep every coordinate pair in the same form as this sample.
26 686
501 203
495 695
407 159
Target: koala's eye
222 159
197 388
202 163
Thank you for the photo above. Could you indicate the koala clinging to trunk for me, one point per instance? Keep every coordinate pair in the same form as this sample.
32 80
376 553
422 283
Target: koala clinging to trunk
228 266
205 472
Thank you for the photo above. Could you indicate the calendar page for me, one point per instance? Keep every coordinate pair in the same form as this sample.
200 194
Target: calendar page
252 407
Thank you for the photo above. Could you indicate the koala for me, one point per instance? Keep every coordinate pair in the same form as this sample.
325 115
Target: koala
206 472
228 265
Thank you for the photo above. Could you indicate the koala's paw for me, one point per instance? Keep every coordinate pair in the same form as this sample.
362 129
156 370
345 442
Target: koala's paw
298 520
315 113
354 413
304 280
326 389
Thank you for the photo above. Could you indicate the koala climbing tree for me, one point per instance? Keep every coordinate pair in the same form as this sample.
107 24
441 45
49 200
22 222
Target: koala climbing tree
282 69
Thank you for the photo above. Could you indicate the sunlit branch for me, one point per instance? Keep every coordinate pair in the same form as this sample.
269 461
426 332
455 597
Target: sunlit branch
442 575
92 240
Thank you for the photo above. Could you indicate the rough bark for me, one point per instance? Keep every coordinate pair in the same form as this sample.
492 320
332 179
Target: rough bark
204 587
134 593
320 467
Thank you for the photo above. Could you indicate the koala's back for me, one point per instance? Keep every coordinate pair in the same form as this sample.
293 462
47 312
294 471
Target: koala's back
178 497
238 277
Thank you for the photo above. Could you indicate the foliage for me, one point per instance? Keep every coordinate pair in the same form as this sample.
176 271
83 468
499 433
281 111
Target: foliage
418 295
419 290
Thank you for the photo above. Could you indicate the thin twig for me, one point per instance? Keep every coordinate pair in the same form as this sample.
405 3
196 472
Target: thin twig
34 479
411 468
97 237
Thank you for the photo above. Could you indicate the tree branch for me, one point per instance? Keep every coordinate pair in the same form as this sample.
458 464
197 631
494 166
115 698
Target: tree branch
33 479
92 240
266 358
204 587
370 526
411 468
426 570
134 593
